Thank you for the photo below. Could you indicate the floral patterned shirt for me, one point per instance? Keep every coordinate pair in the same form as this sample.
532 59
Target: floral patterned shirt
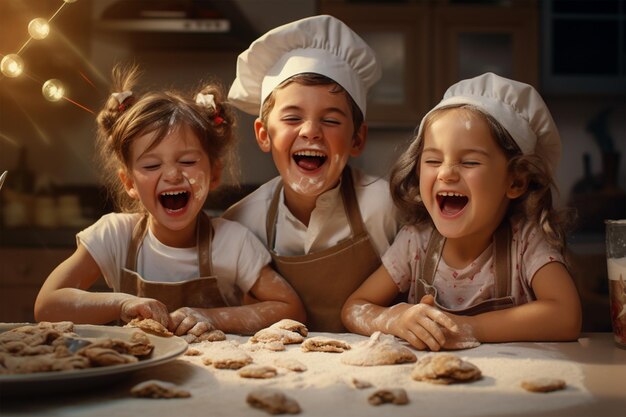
462 288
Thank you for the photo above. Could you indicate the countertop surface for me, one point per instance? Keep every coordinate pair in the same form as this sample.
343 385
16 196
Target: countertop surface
593 368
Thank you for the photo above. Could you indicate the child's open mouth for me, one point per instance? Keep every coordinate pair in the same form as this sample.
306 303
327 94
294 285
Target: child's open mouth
174 200
309 160
451 203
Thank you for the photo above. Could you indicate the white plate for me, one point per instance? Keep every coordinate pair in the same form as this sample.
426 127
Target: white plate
165 350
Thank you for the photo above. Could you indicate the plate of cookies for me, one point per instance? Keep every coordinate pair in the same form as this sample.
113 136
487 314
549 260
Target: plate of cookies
51 357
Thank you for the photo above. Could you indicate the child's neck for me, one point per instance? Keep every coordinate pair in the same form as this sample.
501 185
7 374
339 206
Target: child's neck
301 206
184 238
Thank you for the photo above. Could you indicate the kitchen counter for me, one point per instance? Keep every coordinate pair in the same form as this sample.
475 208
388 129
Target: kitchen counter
593 367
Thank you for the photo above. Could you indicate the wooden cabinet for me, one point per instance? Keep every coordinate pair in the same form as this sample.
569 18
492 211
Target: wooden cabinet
22 273
399 35
584 47
426 46
469 40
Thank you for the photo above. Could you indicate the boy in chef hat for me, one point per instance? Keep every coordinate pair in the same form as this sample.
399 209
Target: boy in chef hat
482 254
325 223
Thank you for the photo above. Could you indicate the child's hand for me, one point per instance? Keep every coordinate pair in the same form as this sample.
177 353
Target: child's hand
144 308
463 339
423 325
187 320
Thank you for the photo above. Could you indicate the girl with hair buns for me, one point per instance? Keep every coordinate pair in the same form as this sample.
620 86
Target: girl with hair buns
164 258
482 255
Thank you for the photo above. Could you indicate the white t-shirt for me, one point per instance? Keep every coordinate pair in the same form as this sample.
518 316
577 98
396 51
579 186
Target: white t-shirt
458 289
328 224
237 255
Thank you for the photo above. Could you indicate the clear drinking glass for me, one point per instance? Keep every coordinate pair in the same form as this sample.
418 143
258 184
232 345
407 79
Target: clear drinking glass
616 265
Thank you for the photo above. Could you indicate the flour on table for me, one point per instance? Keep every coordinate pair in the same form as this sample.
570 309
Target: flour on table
290 363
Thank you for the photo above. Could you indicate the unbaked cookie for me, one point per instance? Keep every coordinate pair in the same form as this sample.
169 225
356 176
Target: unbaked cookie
445 368
226 355
324 344
272 401
154 388
543 384
380 349
292 326
257 371
209 336
150 326
276 335
394 396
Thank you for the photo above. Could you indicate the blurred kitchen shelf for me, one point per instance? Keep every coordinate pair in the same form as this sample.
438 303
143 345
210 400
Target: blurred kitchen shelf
35 237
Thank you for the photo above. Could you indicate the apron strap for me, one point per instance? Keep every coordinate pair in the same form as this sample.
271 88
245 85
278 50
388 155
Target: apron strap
136 239
204 241
502 259
350 205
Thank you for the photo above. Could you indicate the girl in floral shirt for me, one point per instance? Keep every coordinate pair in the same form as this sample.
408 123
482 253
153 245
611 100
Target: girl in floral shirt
482 254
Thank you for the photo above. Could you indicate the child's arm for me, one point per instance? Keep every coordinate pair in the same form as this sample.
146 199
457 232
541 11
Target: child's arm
419 324
554 316
64 296
276 301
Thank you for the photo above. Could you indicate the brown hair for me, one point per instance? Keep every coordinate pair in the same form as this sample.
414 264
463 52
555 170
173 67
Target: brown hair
535 204
313 79
159 112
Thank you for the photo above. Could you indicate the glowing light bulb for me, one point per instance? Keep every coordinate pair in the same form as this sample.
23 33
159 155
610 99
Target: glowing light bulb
12 65
53 90
38 28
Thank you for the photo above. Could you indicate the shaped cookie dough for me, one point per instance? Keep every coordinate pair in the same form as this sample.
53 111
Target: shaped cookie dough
272 401
324 344
380 349
154 388
445 368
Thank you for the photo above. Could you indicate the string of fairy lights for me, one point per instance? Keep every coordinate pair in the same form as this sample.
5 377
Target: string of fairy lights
12 65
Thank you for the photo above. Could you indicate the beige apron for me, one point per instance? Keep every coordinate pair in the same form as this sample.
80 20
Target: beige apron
325 279
502 257
200 292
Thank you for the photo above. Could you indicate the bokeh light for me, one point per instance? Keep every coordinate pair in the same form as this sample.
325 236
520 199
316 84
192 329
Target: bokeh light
12 65
38 28
53 90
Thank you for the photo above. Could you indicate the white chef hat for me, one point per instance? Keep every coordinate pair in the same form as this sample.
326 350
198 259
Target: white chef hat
518 107
319 44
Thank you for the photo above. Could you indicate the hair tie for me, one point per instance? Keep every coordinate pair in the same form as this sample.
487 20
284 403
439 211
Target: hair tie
208 101
124 99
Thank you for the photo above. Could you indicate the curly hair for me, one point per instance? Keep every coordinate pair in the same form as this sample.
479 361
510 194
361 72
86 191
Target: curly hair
158 112
535 204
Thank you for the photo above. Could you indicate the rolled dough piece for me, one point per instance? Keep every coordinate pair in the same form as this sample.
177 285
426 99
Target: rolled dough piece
272 401
380 349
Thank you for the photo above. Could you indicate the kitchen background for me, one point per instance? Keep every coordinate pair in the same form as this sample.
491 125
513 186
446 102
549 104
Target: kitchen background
573 51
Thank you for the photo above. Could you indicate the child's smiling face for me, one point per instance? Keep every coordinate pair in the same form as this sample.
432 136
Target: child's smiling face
310 134
464 181
172 180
